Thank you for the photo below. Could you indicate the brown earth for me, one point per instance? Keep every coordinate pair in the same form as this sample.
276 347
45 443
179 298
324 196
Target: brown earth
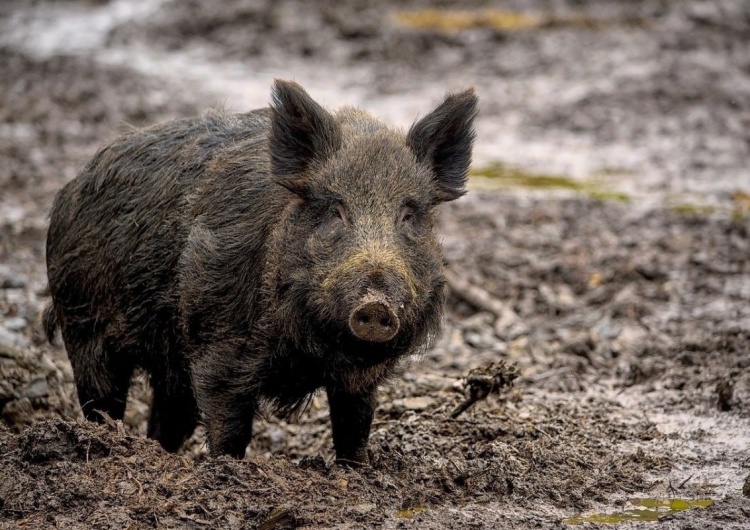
627 320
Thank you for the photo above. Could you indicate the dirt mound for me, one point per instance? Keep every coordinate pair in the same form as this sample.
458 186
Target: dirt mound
100 473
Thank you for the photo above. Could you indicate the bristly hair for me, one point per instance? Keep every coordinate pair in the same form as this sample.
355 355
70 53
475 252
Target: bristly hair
50 323
443 140
301 132
286 409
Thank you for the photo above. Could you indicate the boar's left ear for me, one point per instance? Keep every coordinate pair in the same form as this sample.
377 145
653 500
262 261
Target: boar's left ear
443 139
301 132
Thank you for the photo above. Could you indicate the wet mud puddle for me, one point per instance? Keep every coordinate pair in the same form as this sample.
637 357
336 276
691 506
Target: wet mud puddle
644 510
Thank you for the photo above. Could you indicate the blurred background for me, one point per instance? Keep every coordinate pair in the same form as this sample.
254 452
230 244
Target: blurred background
650 96
604 249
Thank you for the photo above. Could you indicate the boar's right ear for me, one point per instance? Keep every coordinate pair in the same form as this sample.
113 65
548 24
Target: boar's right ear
443 139
301 132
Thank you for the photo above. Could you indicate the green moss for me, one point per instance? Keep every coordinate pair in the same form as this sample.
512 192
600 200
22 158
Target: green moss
408 513
673 505
646 510
739 215
696 210
500 175
609 172
515 177
604 195
741 208
454 20
451 20
738 209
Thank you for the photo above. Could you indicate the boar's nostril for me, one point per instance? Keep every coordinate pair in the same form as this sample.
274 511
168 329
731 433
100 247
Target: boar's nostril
374 322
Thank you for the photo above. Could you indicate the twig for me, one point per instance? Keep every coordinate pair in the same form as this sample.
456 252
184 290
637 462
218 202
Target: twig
546 375
505 317
685 481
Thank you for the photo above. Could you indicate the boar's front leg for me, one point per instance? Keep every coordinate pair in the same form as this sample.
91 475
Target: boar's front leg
230 427
228 407
351 418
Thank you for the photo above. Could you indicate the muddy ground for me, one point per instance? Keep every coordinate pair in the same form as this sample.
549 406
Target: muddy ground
603 253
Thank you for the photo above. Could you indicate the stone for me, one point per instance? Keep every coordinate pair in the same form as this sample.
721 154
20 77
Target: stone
36 388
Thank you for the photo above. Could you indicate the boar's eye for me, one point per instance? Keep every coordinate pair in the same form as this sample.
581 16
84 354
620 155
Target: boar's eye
338 212
406 216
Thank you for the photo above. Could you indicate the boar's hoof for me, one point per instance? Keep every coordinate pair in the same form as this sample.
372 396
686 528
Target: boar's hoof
359 458
374 322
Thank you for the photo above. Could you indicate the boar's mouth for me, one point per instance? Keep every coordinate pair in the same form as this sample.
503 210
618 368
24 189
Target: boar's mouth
372 332
374 320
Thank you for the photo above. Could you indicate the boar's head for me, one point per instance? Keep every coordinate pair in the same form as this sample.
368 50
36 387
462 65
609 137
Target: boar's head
361 266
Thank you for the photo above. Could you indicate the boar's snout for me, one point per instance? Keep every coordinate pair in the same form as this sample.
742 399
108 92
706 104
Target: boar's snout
374 321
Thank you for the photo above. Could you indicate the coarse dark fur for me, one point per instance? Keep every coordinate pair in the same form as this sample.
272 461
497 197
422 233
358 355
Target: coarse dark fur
225 254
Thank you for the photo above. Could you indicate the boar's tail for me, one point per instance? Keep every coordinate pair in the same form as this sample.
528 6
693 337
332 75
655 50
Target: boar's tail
50 322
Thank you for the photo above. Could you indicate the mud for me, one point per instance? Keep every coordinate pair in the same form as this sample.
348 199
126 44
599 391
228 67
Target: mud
596 349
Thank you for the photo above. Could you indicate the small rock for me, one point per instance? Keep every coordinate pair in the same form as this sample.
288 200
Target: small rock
316 462
456 338
581 345
67 372
136 413
18 412
547 294
15 324
519 348
281 517
477 340
477 322
12 339
9 351
276 438
499 347
48 366
126 487
746 487
565 297
725 394
605 329
630 338
416 403
10 280
431 382
36 388
7 392
562 298
364 508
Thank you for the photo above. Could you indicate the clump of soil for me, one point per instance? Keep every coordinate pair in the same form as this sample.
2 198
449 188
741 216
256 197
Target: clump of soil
482 382
101 473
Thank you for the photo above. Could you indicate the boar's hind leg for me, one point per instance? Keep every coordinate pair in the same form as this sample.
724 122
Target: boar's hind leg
174 413
351 418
